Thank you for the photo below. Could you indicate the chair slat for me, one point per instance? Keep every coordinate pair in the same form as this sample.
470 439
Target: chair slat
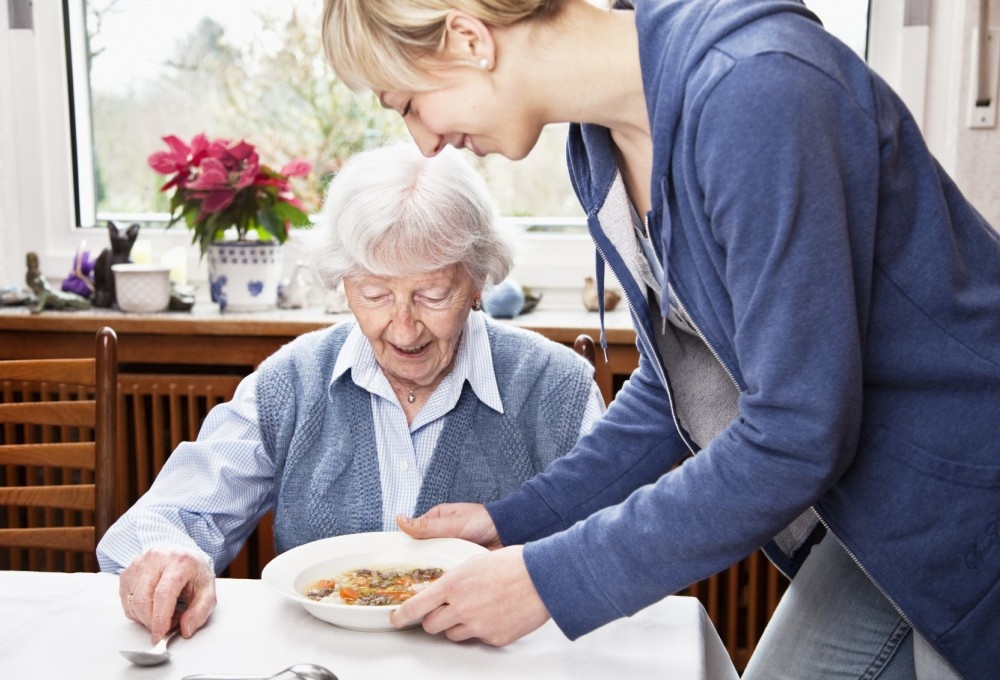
68 496
66 454
72 413
80 539
71 371
59 458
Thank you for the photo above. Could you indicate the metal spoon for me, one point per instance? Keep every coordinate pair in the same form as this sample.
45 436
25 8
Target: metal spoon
301 671
154 656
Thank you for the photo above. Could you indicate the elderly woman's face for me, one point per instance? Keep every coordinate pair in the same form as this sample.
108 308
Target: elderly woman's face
414 323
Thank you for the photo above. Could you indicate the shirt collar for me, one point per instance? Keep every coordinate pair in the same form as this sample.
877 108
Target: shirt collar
473 363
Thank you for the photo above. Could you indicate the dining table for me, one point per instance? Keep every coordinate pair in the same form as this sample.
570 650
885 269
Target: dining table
71 625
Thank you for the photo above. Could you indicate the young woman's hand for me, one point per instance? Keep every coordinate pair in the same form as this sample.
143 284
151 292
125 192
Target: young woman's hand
489 597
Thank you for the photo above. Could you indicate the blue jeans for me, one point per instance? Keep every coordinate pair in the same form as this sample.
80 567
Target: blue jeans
833 623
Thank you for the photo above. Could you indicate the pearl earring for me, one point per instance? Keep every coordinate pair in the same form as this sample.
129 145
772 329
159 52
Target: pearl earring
484 63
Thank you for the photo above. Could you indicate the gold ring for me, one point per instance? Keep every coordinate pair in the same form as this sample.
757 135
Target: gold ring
128 607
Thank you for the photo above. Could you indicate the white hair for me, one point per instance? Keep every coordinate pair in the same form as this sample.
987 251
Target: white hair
391 211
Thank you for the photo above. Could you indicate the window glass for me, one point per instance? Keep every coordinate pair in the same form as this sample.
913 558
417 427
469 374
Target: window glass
236 69
245 69
255 70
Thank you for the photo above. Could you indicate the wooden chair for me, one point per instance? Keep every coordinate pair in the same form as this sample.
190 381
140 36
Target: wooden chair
585 347
58 458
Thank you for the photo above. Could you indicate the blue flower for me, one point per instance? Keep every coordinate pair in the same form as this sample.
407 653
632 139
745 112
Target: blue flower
218 290
255 288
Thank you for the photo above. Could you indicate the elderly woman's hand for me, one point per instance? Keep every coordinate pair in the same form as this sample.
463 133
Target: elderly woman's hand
469 521
157 581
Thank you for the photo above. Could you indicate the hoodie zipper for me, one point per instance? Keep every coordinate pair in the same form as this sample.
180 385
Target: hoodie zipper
642 330
701 335
672 293
879 587
690 319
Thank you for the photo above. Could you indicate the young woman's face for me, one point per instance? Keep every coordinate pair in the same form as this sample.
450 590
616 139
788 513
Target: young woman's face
470 110
414 323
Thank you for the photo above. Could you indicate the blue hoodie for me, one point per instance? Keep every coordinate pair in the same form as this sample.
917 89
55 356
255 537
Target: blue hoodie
852 293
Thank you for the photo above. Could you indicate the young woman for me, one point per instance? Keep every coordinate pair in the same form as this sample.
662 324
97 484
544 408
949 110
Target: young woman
817 308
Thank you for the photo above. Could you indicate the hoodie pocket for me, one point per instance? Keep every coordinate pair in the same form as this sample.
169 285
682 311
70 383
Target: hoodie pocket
944 469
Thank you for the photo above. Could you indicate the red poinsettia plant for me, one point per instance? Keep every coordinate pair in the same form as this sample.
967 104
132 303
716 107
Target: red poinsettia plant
220 185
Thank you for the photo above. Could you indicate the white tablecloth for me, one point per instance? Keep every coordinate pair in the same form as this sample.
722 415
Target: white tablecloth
55 626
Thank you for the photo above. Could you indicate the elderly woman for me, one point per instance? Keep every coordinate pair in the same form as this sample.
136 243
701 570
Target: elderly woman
417 403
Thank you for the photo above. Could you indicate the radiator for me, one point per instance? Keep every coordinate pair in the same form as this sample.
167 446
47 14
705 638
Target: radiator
740 601
155 414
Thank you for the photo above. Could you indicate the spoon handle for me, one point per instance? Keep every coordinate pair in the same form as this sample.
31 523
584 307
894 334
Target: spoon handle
210 676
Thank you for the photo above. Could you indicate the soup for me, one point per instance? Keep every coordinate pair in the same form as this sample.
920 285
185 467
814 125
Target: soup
375 586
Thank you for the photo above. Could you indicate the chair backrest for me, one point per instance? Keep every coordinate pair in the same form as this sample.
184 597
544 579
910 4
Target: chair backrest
58 467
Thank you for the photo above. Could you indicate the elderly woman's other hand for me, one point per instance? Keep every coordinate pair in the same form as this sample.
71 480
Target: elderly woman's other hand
157 581
468 521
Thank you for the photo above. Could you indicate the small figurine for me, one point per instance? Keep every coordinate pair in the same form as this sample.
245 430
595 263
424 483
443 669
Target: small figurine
118 253
294 294
181 298
611 297
531 300
505 300
11 296
49 297
335 301
80 279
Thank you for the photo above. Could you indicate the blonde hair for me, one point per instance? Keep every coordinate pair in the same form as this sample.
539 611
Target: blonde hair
389 45
391 211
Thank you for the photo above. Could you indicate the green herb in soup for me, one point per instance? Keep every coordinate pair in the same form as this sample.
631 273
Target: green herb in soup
376 586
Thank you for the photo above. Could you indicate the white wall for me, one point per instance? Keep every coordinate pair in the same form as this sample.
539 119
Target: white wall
10 239
36 205
931 69
973 155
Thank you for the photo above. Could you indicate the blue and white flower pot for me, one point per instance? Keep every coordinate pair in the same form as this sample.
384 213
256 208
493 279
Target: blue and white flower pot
244 275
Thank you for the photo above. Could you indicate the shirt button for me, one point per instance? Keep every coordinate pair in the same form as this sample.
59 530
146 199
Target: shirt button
404 466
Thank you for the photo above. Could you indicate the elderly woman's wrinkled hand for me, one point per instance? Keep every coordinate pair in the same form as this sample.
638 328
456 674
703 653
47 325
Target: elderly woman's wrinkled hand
468 521
161 588
489 597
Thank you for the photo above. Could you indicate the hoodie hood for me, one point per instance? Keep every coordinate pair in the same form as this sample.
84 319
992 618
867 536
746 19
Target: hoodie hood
686 30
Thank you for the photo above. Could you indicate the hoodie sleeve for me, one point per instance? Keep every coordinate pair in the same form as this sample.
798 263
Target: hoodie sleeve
632 445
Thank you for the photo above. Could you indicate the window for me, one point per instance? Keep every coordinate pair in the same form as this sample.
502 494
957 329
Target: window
254 69
251 69
145 68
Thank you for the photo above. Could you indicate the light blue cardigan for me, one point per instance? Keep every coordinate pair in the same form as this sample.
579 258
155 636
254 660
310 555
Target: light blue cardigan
322 440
